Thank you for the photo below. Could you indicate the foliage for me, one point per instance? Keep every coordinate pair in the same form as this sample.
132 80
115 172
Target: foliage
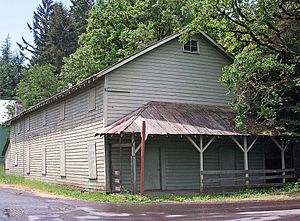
10 67
61 35
267 94
39 82
265 36
54 35
118 28
39 29
79 11
10 109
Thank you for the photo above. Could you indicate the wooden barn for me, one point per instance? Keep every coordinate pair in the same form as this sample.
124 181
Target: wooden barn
89 136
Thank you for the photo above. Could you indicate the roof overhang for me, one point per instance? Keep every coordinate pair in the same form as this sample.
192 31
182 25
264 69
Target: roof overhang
164 118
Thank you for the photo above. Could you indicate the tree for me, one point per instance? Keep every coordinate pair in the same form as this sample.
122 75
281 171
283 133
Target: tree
54 35
10 67
39 29
79 11
265 37
118 28
39 82
10 109
61 37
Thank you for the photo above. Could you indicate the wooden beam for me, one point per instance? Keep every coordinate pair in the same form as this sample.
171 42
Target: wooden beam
201 163
246 166
276 142
121 145
142 176
252 144
193 142
138 148
209 143
282 148
133 165
237 143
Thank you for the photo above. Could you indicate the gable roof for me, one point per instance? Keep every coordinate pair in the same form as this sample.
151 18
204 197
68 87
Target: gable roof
164 118
114 66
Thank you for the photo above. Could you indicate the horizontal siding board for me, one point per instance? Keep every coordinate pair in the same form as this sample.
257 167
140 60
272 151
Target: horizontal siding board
169 75
77 130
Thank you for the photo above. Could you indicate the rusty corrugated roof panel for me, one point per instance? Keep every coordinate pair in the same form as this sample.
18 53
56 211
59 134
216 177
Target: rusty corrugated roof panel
164 118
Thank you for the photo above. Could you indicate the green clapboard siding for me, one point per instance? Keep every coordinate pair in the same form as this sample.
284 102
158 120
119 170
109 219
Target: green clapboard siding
179 162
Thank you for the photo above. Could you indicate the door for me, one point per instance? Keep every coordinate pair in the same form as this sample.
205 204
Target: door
227 162
152 168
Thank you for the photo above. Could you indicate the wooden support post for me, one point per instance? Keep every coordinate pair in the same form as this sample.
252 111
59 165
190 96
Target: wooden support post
245 148
282 160
201 163
282 148
246 166
201 150
133 165
142 176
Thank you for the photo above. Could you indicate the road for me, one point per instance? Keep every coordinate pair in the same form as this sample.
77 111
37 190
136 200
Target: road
23 205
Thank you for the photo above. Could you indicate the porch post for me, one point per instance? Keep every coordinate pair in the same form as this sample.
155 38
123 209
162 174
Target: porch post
245 148
133 165
246 166
282 148
201 150
201 163
142 177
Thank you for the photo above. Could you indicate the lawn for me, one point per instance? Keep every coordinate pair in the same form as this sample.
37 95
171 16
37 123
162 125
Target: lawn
288 192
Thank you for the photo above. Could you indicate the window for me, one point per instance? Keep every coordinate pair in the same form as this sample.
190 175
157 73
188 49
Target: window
62 160
62 110
191 46
92 160
28 161
19 127
27 123
44 117
92 99
43 160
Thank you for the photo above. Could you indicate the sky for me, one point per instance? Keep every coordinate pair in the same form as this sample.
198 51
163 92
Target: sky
14 16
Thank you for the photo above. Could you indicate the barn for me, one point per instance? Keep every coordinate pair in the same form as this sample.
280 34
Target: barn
89 136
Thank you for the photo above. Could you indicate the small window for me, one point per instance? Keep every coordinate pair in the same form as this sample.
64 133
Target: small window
27 123
62 110
44 117
19 126
92 99
191 46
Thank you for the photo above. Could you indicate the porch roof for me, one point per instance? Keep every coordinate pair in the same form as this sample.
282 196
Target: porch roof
164 118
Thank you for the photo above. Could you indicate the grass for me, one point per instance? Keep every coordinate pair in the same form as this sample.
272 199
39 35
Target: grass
288 192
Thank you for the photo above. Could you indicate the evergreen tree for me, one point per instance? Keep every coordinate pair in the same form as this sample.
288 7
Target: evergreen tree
10 67
61 37
79 11
39 29
118 28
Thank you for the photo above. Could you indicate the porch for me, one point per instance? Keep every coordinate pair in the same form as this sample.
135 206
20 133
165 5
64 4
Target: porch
216 158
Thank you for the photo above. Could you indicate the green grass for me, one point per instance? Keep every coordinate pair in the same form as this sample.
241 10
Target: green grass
290 191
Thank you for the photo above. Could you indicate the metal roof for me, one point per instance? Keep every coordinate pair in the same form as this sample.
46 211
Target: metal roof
99 75
164 118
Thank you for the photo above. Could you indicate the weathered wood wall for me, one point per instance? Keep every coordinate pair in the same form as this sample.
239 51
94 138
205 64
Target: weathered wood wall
38 137
167 74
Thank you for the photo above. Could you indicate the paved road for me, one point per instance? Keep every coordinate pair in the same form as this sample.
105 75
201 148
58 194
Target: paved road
20 205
